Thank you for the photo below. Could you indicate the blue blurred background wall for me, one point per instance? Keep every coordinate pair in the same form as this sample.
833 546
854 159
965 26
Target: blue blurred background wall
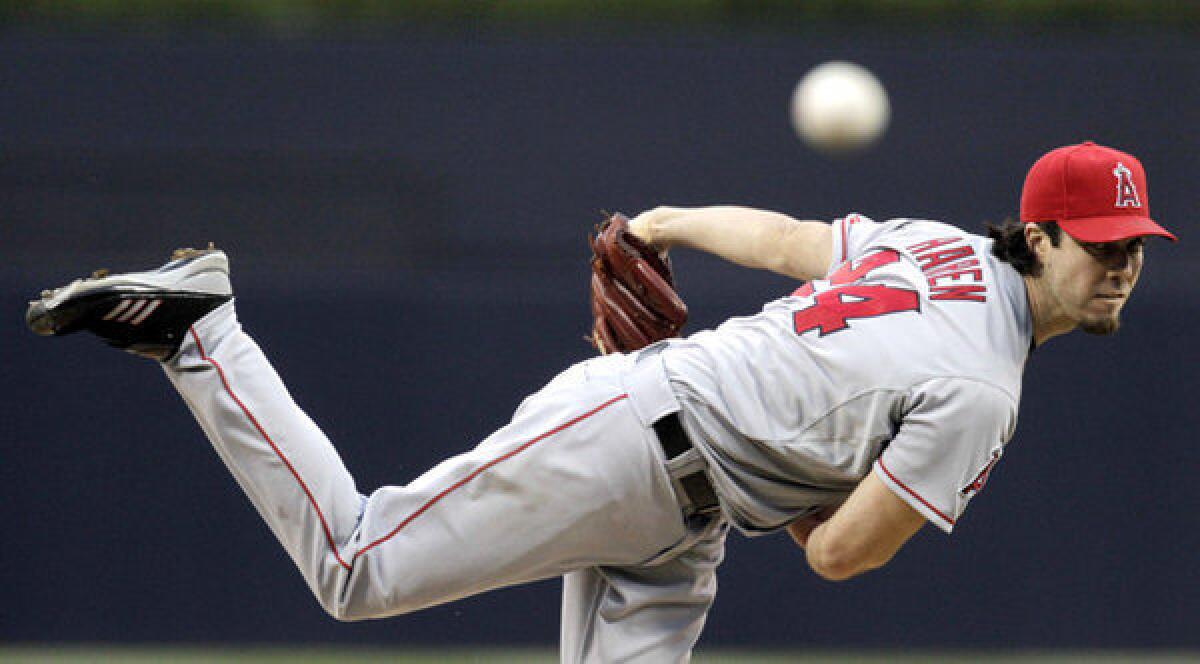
405 213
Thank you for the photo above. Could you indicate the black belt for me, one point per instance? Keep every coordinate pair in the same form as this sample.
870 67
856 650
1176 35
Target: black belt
674 443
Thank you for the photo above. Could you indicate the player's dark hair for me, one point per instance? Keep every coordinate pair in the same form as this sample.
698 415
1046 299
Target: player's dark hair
1009 245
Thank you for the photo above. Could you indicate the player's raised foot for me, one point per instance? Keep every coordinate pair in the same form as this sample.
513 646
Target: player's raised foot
145 313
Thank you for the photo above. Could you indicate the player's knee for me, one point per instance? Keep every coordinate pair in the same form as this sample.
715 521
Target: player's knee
355 613
340 614
352 604
342 608
337 598
342 611
332 602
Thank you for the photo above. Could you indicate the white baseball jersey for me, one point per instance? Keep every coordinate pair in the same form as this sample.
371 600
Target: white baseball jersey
907 357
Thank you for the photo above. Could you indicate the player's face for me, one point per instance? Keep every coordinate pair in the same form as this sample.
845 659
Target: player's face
1089 283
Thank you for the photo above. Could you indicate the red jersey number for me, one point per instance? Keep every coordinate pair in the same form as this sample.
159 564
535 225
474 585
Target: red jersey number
847 300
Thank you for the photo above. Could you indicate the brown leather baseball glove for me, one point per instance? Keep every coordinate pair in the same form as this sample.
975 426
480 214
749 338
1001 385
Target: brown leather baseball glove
634 302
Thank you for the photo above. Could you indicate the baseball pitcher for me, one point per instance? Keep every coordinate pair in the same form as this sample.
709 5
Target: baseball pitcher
874 398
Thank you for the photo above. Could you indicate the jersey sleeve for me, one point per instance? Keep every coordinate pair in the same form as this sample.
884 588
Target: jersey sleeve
946 447
852 234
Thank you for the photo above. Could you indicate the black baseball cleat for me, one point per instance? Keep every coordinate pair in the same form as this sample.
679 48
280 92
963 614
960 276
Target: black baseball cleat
145 313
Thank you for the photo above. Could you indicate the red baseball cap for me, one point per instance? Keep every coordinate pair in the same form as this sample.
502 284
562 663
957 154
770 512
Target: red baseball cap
1095 193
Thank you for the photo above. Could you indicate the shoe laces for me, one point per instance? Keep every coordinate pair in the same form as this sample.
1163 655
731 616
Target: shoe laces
188 252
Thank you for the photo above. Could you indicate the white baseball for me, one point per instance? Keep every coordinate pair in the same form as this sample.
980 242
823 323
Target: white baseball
840 107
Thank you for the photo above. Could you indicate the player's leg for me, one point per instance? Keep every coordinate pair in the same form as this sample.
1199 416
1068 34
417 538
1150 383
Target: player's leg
643 613
152 314
573 480
280 458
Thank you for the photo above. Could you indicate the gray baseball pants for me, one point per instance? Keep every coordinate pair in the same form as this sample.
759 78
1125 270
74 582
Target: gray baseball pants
576 485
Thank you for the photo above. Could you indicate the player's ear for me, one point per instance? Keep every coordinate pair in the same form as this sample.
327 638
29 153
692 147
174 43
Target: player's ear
1038 241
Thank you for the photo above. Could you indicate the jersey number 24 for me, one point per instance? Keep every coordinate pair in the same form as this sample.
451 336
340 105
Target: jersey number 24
846 299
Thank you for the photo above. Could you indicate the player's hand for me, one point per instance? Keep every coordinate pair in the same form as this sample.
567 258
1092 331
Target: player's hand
645 227
633 297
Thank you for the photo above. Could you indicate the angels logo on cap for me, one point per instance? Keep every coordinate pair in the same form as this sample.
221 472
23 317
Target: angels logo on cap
1074 186
1126 191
